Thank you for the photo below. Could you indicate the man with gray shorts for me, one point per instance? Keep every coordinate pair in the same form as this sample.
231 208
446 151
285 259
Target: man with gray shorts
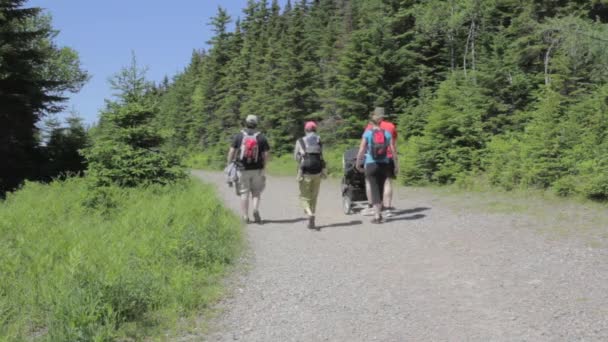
250 151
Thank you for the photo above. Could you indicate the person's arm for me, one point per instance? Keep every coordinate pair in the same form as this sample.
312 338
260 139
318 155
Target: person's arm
231 153
296 151
266 152
394 143
395 156
394 148
323 162
361 153
266 157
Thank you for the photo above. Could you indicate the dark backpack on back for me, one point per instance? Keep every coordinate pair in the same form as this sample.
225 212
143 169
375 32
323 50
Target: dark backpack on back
312 160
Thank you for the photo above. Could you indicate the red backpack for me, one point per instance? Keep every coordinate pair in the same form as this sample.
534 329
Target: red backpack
249 148
379 144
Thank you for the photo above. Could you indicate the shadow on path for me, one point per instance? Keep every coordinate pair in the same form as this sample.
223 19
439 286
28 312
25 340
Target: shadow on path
295 220
341 224
406 218
410 211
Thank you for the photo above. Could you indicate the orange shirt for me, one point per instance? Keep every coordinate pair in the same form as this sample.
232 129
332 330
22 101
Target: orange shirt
390 127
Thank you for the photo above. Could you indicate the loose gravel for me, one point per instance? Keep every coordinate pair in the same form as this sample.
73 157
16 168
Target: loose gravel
435 272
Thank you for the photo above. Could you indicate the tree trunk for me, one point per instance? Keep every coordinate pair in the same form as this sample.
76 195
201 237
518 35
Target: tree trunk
547 59
466 49
473 64
451 39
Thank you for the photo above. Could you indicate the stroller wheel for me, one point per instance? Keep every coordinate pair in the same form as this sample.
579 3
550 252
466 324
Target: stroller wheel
347 205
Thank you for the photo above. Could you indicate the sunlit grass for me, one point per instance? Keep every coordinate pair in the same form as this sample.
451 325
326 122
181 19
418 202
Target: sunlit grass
70 272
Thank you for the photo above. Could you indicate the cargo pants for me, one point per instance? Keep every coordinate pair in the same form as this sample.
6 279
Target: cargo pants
309 191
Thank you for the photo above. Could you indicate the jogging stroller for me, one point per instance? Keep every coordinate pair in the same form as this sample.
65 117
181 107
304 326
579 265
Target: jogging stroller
353 183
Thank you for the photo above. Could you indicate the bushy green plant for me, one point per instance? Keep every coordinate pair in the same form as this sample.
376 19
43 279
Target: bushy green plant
564 147
414 167
453 136
502 161
74 273
127 152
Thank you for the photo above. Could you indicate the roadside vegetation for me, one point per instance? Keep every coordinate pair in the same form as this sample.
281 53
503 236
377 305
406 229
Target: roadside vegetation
82 265
115 242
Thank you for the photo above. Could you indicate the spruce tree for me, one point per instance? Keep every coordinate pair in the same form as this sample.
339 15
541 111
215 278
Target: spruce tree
34 74
127 150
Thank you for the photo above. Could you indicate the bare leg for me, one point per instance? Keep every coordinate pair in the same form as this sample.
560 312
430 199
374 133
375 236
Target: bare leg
245 205
368 191
256 207
388 193
378 210
256 202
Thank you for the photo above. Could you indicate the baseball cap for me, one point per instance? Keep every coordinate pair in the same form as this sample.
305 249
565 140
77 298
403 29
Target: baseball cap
310 125
251 119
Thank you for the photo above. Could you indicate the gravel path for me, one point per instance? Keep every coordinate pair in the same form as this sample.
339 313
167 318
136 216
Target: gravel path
435 272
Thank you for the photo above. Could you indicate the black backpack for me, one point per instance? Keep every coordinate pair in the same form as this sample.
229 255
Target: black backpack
312 160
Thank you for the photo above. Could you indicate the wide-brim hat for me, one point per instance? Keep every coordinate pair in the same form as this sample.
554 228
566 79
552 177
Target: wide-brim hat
379 112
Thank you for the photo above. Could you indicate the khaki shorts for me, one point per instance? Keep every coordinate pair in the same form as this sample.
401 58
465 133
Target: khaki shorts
253 181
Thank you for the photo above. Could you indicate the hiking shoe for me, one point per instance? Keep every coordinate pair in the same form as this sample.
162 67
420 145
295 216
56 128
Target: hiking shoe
311 222
377 220
368 212
256 217
388 212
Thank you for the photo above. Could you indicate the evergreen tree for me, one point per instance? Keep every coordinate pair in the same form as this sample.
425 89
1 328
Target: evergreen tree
469 82
126 151
34 74
63 148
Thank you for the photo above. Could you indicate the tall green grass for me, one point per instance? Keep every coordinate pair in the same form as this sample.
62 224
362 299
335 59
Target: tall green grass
70 272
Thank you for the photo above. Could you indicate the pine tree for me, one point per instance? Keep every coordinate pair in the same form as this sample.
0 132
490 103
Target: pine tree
34 74
127 150
364 68
63 148
467 81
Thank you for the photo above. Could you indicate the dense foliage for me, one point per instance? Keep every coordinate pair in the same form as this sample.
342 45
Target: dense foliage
509 88
34 76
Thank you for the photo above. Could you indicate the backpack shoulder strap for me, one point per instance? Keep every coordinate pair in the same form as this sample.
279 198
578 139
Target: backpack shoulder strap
302 144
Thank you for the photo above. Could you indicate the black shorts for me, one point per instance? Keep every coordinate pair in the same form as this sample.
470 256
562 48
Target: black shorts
390 171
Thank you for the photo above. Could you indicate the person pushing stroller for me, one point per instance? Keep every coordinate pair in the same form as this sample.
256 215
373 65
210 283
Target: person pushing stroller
375 146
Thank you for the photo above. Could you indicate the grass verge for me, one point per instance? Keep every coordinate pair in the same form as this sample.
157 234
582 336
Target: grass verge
74 273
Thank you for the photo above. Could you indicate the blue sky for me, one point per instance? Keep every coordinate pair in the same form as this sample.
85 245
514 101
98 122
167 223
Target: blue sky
104 32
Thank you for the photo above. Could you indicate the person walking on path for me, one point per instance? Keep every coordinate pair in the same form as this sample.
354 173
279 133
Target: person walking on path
250 151
375 146
393 168
308 152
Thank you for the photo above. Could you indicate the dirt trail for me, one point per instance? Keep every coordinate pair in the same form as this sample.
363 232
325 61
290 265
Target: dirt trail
433 273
